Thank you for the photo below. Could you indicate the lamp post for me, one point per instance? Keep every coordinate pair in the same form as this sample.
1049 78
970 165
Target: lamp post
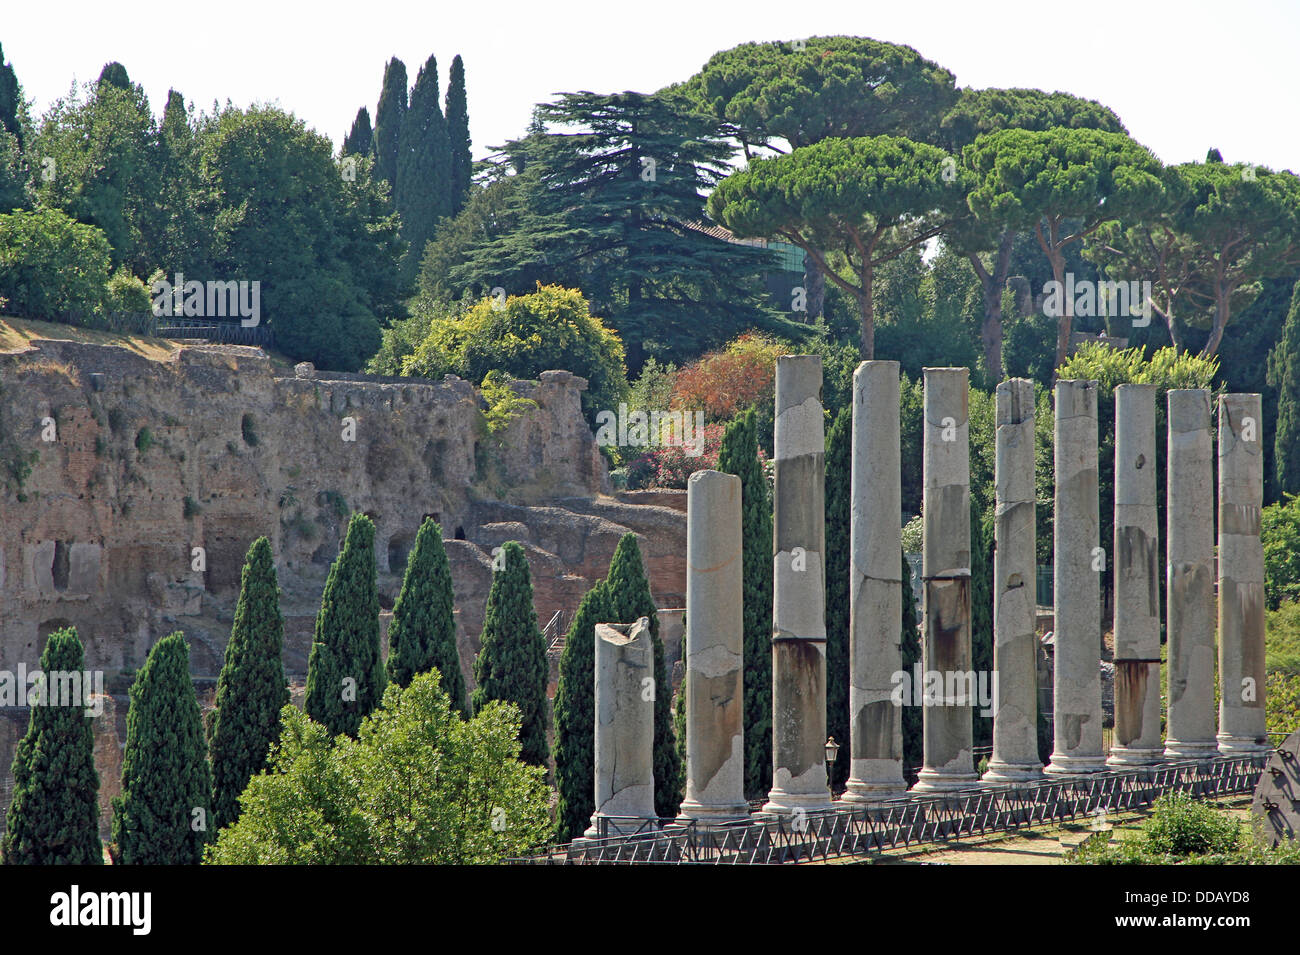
832 751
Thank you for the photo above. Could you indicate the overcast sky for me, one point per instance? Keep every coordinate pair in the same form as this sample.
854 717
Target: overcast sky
1183 76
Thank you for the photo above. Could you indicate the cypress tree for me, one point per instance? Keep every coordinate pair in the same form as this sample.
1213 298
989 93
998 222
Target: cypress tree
251 690
1284 375
345 673
460 162
423 187
839 484
511 663
575 716
361 138
422 635
11 99
54 816
388 120
114 74
913 743
981 623
162 816
739 455
630 599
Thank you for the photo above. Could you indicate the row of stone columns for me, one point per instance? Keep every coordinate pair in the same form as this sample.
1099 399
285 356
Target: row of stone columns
714 612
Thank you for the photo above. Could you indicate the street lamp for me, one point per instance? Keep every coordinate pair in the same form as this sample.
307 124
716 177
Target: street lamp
832 751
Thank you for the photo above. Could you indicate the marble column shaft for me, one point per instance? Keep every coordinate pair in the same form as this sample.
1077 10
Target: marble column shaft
1242 727
625 728
799 598
715 643
1076 683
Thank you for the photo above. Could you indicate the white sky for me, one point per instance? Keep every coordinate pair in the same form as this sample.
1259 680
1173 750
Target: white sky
1183 76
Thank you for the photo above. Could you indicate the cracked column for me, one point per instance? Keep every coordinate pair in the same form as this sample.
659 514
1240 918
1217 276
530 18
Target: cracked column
1241 576
1015 578
875 587
798 605
715 635
1137 581
1077 564
946 641
1190 595
625 726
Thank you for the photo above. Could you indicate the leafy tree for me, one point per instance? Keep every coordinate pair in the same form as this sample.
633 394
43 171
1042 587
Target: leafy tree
114 74
422 189
739 456
865 201
360 139
461 161
1280 530
388 120
51 264
13 174
511 664
629 598
422 635
345 672
53 818
419 786
839 517
575 716
162 816
251 690
1047 180
11 100
180 238
1284 375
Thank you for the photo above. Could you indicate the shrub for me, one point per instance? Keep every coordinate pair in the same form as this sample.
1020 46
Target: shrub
671 466
126 293
731 379
51 264
1280 530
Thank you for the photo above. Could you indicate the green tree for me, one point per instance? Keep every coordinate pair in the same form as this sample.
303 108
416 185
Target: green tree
14 194
11 100
511 664
739 456
422 635
180 238
345 672
251 690
981 624
423 186
630 600
51 264
162 816
575 716
419 786
1280 531
360 139
388 120
53 818
1284 375
913 741
461 161
839 490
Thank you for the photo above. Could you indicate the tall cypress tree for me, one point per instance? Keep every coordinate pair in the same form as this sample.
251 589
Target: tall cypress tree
422 635
839 484
251 690
460 162
162 816
423 187
1284 375
575 716
114 74
11 99
511 663
913 743
361 138
739 456
345 672
629 600
388 120
54 816
981 622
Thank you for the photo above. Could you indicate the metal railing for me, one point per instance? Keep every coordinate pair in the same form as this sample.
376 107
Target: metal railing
900 823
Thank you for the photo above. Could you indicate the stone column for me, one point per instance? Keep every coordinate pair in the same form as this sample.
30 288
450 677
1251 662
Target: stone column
945 644
1137 581
875 587
1076 683
1190 594
715 646
625 726
1241 576
1015 584
798 605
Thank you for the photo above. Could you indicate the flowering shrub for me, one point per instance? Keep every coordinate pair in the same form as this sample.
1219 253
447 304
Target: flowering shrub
671 466
731 379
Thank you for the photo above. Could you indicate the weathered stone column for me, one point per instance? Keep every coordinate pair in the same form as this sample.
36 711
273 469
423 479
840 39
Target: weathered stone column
945 643
1137 581
798 605
715 646
1076 680
875 587
1015 580
625 726
1189 517
1241 576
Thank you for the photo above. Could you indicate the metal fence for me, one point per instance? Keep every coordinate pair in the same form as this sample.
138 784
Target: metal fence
231 332
901 823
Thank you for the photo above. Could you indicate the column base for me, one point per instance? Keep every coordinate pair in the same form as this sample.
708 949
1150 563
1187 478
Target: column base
712 815
1191 749
929 781
861 791
626 826
1012 772
1133 756
783 804
1062 765
1242 745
